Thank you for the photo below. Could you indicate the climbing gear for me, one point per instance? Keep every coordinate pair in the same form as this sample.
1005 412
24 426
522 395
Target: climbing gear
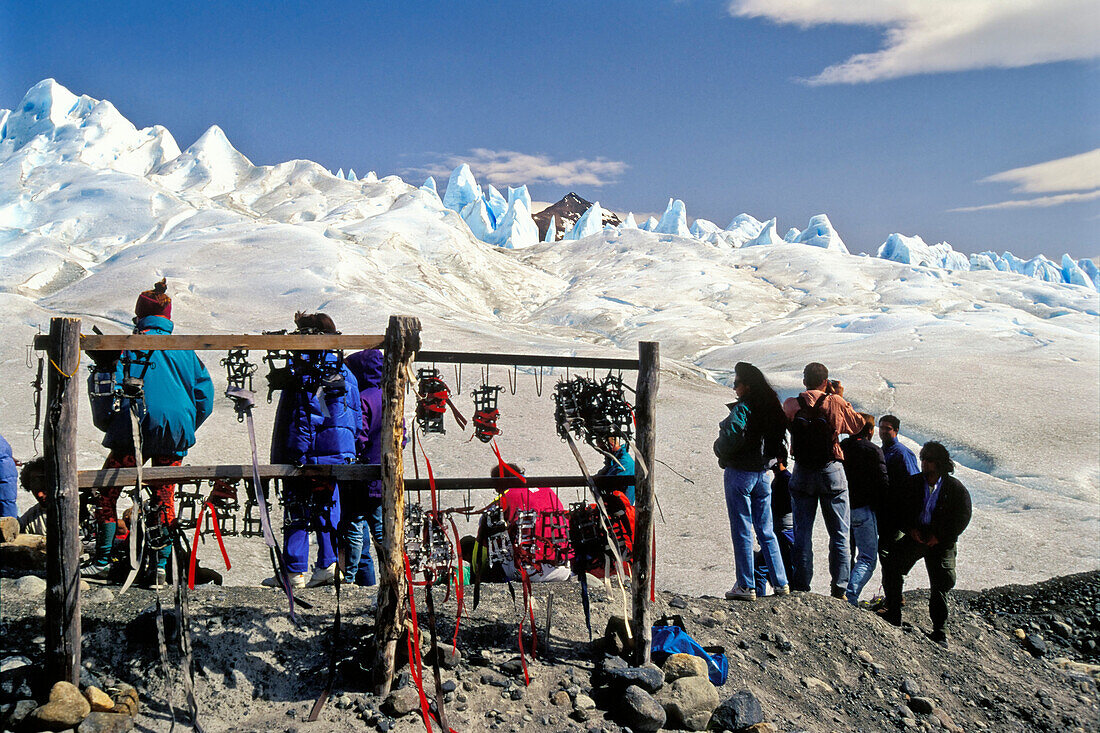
486 413
593 411
433 399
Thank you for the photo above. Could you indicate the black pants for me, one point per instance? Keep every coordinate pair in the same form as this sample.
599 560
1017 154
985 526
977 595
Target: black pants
900 558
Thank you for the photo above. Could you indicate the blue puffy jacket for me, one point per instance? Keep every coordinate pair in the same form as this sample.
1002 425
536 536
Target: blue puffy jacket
625 466
178 398
9 481
308 432
366 365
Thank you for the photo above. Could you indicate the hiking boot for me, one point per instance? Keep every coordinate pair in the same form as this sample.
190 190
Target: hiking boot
837 592
297 580
96 572
939 636
737 593
160 580
322 576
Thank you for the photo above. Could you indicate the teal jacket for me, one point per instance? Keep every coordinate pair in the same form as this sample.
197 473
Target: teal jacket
179 396
623 466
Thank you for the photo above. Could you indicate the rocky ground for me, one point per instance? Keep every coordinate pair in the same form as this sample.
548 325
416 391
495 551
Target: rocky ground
1019 658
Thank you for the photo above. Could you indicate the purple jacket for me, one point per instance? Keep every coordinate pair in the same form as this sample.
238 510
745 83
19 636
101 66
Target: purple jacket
366 365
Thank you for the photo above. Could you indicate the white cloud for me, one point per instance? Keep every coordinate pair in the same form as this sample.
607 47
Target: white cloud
935 36
1040 202
508 167
1075 173
1079 174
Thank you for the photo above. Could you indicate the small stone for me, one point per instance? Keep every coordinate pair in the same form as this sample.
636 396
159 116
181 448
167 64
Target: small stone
1020 634
922 705
449 657
19 712
490 677
640 712
761 728
865 657
584 702
738 711
678 602
814 684
14 662
910 687
1062 629
783 642
684 665
66 708
401 702
29 586
449 685
1035 645
560 698
945 721
104 722
99 700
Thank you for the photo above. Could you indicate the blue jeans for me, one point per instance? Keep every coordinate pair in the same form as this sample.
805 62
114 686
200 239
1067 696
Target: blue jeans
749 505
828 487
785 537
356 527
305 509
865 539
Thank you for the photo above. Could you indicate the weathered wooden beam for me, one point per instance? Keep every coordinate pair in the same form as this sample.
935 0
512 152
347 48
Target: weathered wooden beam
525 360
645 493
402 343
63 504
220 342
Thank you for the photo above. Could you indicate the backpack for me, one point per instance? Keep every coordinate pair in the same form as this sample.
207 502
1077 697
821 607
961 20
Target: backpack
812 436
731 436
673 639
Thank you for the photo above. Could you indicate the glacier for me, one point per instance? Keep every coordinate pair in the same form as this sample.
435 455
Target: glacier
674 220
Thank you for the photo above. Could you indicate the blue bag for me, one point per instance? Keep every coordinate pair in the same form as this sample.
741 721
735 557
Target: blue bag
668 640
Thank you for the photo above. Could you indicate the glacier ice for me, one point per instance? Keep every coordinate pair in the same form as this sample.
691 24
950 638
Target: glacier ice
914 251
792 235
351 175
371 177
703 228
590 223
629 222
211 166
496 204
674 220
340 173
768 235
1089 268
1073 274
521 194
476 215
820 233
517 229
1040 268
462 189
551 230
429 186
649 225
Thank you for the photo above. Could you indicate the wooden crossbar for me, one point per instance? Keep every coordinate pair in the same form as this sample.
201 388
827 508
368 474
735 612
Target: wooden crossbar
219 342
346 472
525 360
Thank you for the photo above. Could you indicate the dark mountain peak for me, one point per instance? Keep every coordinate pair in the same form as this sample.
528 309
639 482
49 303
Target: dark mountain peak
568 209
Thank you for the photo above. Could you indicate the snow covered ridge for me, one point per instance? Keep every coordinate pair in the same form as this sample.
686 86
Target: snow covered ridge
496 222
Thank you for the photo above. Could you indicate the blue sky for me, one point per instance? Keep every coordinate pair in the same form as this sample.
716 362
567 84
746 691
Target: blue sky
786 108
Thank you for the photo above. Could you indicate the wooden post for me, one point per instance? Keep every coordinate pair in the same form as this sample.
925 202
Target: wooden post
401 344
645 492
62 504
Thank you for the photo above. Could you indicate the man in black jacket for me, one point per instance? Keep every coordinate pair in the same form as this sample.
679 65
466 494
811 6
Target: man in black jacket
865 469
931 511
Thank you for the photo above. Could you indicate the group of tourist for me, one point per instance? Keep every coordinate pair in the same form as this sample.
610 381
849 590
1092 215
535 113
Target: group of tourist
877 503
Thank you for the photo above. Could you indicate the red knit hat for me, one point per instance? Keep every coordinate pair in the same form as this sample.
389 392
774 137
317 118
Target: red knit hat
154 302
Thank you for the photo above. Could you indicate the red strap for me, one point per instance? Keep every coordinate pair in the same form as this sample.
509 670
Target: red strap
653 571
416 669
195 543
458 584
504 467
431 475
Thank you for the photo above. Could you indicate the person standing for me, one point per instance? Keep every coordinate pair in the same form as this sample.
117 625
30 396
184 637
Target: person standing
932 510
817 418
749 440
901 463
178 396
9 481
361 502
316 422
865 470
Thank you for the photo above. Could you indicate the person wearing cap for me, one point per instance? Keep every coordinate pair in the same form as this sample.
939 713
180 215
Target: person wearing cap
178 396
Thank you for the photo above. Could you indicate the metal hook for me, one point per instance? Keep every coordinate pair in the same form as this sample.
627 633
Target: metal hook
538 382
485 375
513 379
458 378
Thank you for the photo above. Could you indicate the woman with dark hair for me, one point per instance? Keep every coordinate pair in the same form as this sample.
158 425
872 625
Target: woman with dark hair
931 512
749 440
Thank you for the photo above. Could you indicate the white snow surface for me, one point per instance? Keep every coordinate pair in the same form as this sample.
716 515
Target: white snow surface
999 366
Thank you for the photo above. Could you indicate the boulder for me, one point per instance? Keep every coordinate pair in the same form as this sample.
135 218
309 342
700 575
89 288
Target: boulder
639 711
29 586
684 665
99 700
649 680
689 702
617 636
66 708
27 552
401 702
19 712
9 528
922 705
102 722
738 712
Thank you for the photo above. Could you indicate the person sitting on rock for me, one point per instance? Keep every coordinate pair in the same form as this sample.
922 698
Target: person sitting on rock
931 510
551 529
617 461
